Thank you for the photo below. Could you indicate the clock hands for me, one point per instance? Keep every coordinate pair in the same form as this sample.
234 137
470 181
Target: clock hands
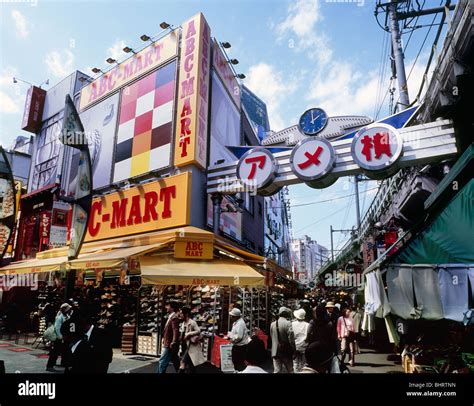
315 118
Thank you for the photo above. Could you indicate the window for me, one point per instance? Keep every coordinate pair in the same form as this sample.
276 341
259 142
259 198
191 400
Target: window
249 203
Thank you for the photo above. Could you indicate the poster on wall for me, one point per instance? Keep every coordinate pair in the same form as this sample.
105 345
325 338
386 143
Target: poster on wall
46 157
145 124
256 110
7 202
59 229
231 223
225 124
99 124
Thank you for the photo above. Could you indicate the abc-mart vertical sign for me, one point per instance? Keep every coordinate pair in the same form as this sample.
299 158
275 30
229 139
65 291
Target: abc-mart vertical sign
193 94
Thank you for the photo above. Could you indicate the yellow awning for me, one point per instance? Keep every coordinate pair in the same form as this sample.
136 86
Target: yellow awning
114 258
158 270
35 265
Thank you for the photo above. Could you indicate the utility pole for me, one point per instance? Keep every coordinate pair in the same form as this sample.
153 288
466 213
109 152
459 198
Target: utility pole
398 55
356 187
332 246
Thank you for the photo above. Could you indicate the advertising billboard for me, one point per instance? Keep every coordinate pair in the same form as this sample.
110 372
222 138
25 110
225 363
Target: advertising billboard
225 124
142 62
221 66
256 111
46 156
145 124
99 123
225 131
193 94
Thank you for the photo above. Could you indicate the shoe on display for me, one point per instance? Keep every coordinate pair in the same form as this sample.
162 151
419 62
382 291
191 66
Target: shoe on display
206 289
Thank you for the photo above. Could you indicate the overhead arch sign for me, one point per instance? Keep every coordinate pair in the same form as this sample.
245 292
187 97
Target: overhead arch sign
377 150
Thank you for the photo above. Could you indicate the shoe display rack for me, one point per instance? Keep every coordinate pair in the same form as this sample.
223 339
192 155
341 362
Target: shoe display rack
54 298
150 314
277 301
259 309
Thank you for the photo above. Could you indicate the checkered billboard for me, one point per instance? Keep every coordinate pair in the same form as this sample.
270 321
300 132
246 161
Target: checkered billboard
145 124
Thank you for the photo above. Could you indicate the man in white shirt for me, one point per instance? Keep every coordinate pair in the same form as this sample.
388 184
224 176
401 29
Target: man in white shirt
239 337
300 330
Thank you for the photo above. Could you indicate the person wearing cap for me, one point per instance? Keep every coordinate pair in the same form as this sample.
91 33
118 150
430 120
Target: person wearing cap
283 342
332 312
318 358
239 337
57 346
300 330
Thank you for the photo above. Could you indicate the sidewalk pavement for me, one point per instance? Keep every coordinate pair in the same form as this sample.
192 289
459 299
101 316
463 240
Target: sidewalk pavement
21 358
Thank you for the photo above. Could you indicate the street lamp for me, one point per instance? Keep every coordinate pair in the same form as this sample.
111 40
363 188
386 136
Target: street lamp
127 50
146 38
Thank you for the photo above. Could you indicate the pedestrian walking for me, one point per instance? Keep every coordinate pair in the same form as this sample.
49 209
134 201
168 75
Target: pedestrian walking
170 341
321 329
356 315
92 353
191 343
300 330
255 356
283 342
318 358
57 346
345 333
239 337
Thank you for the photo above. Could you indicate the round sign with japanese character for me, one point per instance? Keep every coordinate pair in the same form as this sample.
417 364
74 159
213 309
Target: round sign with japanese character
312 159
377 147
257 168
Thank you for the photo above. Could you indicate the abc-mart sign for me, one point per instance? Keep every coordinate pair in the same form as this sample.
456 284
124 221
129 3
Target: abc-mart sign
378 150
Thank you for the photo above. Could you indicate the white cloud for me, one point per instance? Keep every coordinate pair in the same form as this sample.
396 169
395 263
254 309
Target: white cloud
8 105
60 64
299 27
341 89
11 95
116 50
273 88
21 24
301 18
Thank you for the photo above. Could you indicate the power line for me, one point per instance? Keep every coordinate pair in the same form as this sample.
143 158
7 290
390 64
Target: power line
320 220
328 200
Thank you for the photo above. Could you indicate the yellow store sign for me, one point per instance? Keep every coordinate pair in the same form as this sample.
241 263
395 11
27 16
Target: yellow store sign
193 249
149 207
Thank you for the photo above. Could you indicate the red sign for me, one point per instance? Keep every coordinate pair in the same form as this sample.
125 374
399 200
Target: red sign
312 159
34 106
257 168
45 226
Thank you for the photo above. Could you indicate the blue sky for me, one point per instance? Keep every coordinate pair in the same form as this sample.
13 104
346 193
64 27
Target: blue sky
295 54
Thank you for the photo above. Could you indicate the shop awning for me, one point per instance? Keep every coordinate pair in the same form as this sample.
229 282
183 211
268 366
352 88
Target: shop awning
158 270
114 258
35 265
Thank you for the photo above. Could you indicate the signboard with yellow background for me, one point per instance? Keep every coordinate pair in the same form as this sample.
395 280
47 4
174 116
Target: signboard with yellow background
153 206
193 94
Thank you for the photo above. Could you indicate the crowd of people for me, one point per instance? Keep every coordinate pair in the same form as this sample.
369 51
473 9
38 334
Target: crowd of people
306 340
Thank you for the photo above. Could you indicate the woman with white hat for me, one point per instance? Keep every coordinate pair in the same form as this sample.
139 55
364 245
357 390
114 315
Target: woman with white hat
300 330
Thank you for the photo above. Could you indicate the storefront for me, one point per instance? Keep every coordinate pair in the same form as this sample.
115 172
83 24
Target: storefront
424 286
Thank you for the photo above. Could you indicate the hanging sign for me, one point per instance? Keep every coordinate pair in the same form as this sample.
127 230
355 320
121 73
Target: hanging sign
257 169
376 148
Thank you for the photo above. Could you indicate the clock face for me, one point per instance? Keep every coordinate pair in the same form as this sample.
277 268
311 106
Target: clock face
313 121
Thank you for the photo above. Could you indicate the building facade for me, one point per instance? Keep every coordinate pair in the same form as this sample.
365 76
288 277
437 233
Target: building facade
309 256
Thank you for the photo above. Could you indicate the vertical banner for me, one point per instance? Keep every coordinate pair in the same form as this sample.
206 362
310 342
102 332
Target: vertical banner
74 136
193 94
7 202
